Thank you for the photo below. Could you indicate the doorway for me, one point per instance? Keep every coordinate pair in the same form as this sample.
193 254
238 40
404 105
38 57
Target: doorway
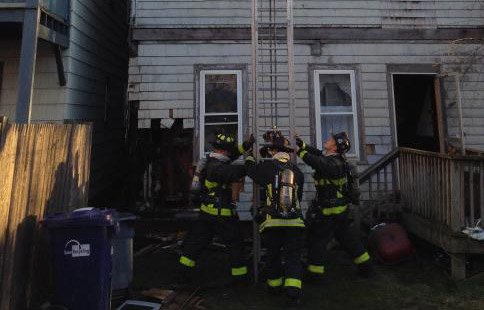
416 120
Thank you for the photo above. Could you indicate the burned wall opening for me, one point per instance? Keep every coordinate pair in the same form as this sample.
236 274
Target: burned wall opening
164 168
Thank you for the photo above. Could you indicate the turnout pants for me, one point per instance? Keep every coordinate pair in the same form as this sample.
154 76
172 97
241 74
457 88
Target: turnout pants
284 244
322 230
201 235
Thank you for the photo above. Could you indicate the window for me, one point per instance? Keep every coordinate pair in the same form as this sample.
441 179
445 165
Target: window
220 105
335 104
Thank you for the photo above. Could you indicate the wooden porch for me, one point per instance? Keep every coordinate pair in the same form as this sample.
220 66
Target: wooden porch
435 195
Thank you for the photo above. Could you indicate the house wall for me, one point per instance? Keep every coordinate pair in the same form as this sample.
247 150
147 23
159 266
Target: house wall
48 97
334 13
97 71
162 79
97 56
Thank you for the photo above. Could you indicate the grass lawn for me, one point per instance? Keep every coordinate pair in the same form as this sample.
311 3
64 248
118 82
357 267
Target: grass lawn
418 284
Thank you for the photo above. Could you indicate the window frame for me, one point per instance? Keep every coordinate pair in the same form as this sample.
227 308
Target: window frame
202 114
354 107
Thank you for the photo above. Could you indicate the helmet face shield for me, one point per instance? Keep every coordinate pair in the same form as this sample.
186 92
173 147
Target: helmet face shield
342 141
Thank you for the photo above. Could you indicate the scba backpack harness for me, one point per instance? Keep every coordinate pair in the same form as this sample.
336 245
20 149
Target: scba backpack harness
282 199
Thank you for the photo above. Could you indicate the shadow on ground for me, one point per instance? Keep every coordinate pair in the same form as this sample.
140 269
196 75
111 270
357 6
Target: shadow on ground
417 284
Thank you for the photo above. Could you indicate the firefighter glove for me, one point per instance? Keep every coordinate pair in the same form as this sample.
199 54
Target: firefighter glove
247 144
300 143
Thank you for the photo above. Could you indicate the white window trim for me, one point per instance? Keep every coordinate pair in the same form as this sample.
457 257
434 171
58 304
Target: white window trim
354 112
203 73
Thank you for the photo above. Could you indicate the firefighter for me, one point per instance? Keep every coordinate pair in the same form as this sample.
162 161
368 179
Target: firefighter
218 213
327 217
282 226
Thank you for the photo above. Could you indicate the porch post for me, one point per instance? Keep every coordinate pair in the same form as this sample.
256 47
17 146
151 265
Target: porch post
28 55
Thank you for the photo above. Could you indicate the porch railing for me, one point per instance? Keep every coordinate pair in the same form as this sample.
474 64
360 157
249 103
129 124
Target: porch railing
380 192
445 189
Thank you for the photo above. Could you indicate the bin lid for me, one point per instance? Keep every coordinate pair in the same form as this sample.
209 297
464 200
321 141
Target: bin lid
83 217
124 216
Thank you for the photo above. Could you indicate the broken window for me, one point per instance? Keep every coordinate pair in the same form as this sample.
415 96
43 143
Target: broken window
220 105
335 104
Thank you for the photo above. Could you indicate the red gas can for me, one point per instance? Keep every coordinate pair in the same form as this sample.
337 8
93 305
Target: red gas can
390 243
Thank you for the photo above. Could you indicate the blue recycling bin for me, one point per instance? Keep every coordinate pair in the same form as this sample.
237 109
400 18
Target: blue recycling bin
81 243
123 253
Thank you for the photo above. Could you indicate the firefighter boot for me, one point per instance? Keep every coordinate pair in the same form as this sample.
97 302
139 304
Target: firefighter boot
240 281
293 302
365 270
184 277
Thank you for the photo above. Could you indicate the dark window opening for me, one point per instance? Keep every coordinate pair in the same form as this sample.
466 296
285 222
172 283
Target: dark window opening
416 117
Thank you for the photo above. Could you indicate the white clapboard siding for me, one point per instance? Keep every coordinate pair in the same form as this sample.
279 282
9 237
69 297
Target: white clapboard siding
334 13
48 97
98 52
161 89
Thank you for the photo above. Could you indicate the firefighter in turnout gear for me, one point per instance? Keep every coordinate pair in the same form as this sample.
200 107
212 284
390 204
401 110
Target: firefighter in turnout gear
328 215
218 213
282 226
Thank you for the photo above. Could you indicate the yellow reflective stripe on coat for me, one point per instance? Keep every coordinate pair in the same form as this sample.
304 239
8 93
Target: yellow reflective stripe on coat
337 182
210 209
335 210
316 269
302 154
269 195
293 282
270 222
274 282
241 149
240 271
187 262
362 258
210 185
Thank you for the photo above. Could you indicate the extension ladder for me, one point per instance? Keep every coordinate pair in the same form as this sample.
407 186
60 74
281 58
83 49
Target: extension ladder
273 94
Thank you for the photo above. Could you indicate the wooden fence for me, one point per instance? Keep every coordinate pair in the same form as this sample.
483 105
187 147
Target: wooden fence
44 168
445 189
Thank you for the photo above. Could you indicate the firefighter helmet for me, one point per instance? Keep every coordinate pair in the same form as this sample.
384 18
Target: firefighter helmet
224 142
343 144
276 141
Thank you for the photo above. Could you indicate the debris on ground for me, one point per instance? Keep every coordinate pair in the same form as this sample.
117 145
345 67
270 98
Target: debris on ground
138 304
187 299
164 296
160 241
475 232
415 284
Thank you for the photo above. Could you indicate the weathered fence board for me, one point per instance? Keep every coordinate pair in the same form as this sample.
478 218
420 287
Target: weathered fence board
44 168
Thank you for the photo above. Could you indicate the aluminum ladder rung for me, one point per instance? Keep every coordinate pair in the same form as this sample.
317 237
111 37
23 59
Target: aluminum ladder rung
273 40
273 101
263 74
269 24
271 49
272 9
264 129
272 116
271 89
271 62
